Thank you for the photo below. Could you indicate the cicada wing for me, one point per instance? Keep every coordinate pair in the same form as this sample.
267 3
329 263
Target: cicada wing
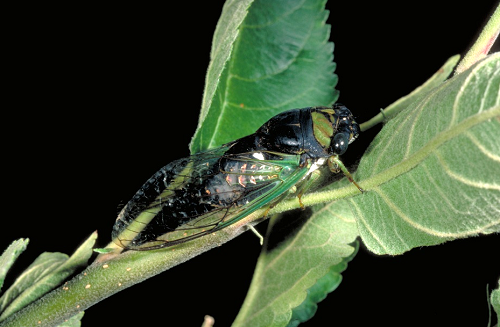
144 218
201 194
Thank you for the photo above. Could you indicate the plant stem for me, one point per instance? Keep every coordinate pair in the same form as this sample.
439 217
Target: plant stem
111 273
483 44
397 106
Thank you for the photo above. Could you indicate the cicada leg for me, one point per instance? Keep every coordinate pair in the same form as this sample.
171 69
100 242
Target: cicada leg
256 232
314 176
336 165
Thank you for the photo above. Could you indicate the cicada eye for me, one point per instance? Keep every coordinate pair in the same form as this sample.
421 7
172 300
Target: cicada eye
340 143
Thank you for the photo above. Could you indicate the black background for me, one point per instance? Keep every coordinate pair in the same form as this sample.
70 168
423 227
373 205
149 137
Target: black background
99 98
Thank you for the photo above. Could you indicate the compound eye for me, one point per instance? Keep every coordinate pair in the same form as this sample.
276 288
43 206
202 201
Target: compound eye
340 143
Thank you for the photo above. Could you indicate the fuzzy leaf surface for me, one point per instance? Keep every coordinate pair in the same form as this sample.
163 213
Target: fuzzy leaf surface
433 172
48 271
8 258
293 260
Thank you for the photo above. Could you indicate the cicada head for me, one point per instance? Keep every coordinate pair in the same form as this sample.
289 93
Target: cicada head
335 128
346 132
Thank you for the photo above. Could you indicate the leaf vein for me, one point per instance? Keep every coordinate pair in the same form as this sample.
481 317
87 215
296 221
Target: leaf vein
367 226
420 155
480 146
409 221
465 180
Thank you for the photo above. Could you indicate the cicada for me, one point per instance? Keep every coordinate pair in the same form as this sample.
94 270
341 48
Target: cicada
210 190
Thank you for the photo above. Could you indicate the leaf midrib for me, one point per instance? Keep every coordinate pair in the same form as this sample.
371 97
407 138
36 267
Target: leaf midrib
420 155
398 169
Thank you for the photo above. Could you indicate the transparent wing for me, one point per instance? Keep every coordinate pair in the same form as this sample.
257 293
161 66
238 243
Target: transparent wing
200 194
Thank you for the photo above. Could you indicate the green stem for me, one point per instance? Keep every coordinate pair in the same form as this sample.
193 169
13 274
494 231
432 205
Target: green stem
396 107
483 44
111 273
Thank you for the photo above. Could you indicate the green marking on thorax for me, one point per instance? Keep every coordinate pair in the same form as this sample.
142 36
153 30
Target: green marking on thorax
322 128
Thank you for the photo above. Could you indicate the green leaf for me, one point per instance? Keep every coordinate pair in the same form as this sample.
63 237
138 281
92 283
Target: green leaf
277 59
47 272
103 250
495 301
41 267
319 291
290 265
433 172
226 32
9 256
74 321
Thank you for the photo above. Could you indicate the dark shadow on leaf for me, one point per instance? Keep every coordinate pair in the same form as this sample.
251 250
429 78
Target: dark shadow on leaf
285 226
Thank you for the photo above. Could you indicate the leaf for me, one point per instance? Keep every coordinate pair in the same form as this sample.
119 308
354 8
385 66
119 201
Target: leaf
9 256
290 265
433 172
43 265
279 59
45 273
495 301
74 321
319 291
225 35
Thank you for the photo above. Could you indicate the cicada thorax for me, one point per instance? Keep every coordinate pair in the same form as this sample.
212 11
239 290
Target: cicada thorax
312 132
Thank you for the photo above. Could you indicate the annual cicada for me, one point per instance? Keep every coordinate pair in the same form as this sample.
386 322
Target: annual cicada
208 191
